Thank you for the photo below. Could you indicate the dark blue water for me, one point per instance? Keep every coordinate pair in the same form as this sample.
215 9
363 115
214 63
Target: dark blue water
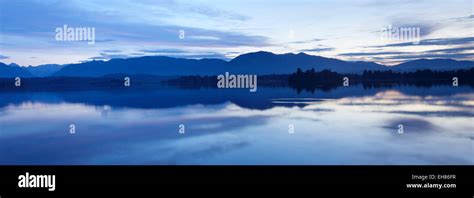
345 125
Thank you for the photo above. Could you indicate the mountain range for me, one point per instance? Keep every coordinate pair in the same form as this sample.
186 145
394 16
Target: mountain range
251 63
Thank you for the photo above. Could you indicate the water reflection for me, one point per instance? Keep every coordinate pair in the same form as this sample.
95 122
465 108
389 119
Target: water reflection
343 126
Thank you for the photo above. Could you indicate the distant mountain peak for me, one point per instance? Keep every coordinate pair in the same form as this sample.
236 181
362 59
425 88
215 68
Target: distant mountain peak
13 65
257 53
433 64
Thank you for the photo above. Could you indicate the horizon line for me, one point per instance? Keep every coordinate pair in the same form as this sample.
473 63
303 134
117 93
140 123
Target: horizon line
228 60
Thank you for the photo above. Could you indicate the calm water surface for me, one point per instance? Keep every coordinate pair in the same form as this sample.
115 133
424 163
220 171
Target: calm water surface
338 126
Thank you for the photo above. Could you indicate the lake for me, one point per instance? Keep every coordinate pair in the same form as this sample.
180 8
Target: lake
353 125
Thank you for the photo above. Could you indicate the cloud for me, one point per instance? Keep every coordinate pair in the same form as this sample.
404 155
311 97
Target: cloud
216 13
446 53
165 51
410 55
104 40
306 41
105 56
321 49
463 44
201 9
112 51
39 19
423 55
170 36
467 18
370 53
201 38
176 53
4 57
437 41
179 53
387 4
216 27
211 55
452 50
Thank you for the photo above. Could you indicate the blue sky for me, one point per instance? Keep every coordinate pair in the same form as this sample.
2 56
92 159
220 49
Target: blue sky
344 29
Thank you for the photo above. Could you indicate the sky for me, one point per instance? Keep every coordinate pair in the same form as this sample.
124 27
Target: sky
344 29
